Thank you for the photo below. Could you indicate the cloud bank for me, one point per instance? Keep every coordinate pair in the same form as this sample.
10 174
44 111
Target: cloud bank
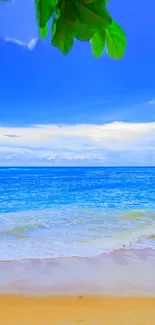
111 144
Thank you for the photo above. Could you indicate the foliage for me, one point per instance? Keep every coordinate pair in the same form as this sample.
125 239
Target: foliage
85 20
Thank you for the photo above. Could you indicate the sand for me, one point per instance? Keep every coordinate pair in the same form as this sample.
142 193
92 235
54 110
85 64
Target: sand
90 310
73 284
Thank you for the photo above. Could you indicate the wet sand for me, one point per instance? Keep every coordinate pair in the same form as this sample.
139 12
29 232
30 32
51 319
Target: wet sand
90 310
111 289
123 272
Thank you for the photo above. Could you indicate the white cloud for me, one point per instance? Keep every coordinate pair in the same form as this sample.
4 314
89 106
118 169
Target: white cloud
114 143
70 155
17 27
30 45
10 158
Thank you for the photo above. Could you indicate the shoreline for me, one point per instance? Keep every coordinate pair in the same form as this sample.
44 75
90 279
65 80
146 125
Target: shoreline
88 310
141 252
117 273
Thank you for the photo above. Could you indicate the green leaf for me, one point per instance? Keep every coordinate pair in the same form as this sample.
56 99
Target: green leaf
100 9
98 43
62 37
94 14
86 2
64 28
44 32
80 31
69 12
83 32
44 10
115 41
63 40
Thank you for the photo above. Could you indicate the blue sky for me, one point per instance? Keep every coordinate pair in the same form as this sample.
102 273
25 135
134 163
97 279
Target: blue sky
42 89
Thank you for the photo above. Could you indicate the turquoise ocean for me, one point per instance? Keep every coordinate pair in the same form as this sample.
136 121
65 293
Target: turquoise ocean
60 212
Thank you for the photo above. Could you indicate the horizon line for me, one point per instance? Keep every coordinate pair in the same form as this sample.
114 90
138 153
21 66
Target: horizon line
97 166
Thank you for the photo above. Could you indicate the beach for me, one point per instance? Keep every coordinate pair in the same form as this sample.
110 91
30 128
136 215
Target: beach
89 310
114 289
77 246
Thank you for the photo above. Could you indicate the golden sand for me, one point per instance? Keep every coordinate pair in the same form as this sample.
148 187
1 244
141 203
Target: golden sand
18 310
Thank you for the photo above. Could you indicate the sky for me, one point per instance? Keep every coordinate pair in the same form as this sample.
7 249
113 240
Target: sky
75 109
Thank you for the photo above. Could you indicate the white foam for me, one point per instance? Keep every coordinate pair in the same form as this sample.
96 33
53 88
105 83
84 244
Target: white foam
116 273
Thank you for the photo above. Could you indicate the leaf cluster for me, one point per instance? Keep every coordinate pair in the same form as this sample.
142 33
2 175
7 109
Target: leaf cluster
85 20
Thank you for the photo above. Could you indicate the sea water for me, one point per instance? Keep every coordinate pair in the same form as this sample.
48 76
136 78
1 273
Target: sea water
51 212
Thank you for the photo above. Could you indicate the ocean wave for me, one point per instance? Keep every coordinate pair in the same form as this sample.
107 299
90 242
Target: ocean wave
128 238
64 245
15 168
138 215
21 230
74 232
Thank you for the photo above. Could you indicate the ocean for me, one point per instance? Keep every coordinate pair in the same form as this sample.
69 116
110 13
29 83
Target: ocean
77 230
61 212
